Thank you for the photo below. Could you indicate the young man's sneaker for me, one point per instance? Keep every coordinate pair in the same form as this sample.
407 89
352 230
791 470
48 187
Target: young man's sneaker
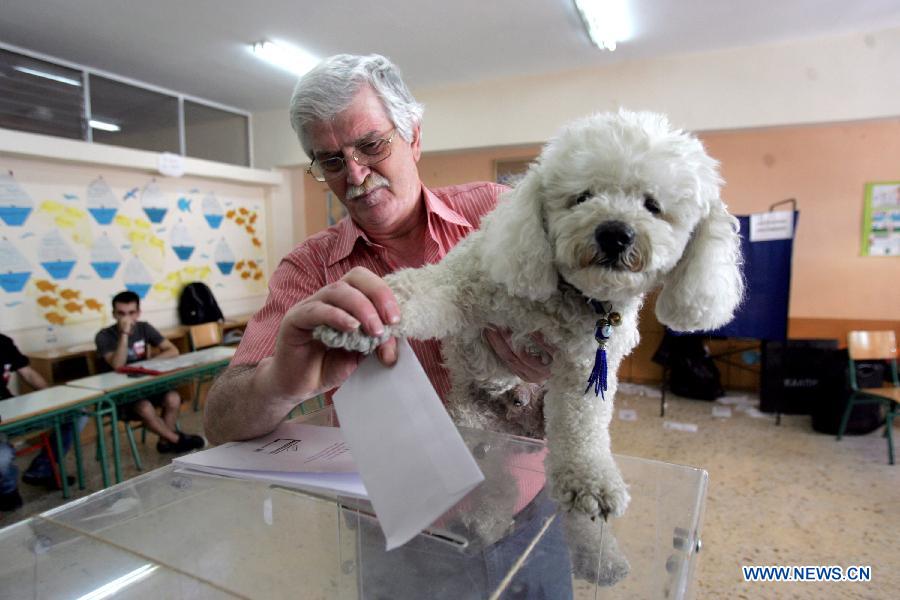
10 501
186 442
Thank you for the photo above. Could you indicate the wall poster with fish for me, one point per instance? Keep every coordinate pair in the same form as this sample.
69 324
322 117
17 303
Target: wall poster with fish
71 237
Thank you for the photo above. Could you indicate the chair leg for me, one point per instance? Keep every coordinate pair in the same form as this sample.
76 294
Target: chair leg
196 402
889 433
846 417
134 451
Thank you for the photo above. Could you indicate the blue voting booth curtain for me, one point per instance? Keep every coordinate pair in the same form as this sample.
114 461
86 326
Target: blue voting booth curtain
767 275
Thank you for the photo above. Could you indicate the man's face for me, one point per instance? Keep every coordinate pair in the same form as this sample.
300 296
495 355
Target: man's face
385 209
126 312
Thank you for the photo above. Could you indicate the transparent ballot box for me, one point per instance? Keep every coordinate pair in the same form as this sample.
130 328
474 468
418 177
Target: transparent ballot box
169 534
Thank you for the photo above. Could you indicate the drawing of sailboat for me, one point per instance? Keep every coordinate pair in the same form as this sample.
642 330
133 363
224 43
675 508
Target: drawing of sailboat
224 257
105 258
56 256
15 270
182 243
137 278
212 210
15 203
101 202
154 202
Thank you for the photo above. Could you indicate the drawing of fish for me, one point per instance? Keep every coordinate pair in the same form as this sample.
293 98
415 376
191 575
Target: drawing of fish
258 275
252 264
250 230
72 307
229 214
243 211
184 204
45 286
46 301
93 304
253 218
239 265
256 242
55 318
68 294
130 193
245 275
239 221
70 196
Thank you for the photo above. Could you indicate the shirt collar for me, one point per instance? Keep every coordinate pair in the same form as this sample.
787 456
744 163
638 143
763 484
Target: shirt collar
348 232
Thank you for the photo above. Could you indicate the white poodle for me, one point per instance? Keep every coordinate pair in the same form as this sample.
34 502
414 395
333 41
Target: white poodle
615 206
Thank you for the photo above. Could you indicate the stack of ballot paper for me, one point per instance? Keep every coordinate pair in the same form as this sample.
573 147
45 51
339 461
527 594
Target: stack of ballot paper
306 457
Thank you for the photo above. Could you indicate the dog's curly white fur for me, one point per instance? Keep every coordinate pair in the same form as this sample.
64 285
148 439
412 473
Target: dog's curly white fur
544 250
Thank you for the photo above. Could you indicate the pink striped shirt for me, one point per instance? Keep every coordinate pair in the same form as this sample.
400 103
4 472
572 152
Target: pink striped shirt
452 212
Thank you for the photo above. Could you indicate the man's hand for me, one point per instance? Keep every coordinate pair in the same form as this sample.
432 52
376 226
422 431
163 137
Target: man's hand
125 325
302 367
531 365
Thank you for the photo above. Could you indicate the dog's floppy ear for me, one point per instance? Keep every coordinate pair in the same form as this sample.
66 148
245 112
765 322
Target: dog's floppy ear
706 286
517 252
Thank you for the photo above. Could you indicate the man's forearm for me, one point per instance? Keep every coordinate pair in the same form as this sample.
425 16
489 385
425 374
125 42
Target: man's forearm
120 357
239 407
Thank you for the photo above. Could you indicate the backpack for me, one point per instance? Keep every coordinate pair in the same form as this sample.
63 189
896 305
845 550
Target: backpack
692 371
198 305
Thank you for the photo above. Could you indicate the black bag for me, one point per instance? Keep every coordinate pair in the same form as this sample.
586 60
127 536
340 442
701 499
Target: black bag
692 372
828 410
198 305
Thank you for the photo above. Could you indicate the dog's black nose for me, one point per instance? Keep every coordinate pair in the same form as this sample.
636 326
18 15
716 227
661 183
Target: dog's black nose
614 237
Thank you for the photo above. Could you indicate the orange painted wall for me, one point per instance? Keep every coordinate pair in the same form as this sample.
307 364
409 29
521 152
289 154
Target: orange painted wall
825 167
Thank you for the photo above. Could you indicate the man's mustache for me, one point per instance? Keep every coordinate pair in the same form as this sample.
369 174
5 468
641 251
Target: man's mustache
372 182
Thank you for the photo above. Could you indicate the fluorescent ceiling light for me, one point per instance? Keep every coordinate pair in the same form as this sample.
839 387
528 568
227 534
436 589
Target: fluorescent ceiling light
104 126
607 21
45 75
290 58
116 585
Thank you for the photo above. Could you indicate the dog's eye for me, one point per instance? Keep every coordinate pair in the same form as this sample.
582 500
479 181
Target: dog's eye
651 204
582 196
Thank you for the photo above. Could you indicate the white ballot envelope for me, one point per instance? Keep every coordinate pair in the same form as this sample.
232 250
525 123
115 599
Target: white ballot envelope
412 460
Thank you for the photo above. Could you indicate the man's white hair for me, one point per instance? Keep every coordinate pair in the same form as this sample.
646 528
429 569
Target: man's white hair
331 86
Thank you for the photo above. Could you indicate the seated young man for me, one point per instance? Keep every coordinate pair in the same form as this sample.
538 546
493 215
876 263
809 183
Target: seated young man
131 340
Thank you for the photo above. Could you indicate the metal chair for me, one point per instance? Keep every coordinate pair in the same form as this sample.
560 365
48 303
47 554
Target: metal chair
202 336
874 345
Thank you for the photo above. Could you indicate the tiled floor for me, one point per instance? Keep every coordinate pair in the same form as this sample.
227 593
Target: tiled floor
778 495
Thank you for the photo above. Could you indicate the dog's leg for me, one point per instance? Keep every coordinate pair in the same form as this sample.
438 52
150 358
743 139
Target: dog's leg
427 309
580 466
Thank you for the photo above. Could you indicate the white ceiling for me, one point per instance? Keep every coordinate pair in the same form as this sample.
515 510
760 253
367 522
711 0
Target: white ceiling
199 47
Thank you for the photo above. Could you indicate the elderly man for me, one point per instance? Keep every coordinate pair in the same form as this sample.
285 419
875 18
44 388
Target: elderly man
361 127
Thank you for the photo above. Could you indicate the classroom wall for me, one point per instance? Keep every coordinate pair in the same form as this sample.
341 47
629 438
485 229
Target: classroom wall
62 259
839 78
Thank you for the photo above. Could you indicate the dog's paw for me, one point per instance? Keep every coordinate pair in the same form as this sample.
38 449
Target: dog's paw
601 493
350 340
596 556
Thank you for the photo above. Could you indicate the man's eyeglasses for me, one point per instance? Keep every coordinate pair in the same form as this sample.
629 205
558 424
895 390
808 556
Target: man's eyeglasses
365 153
